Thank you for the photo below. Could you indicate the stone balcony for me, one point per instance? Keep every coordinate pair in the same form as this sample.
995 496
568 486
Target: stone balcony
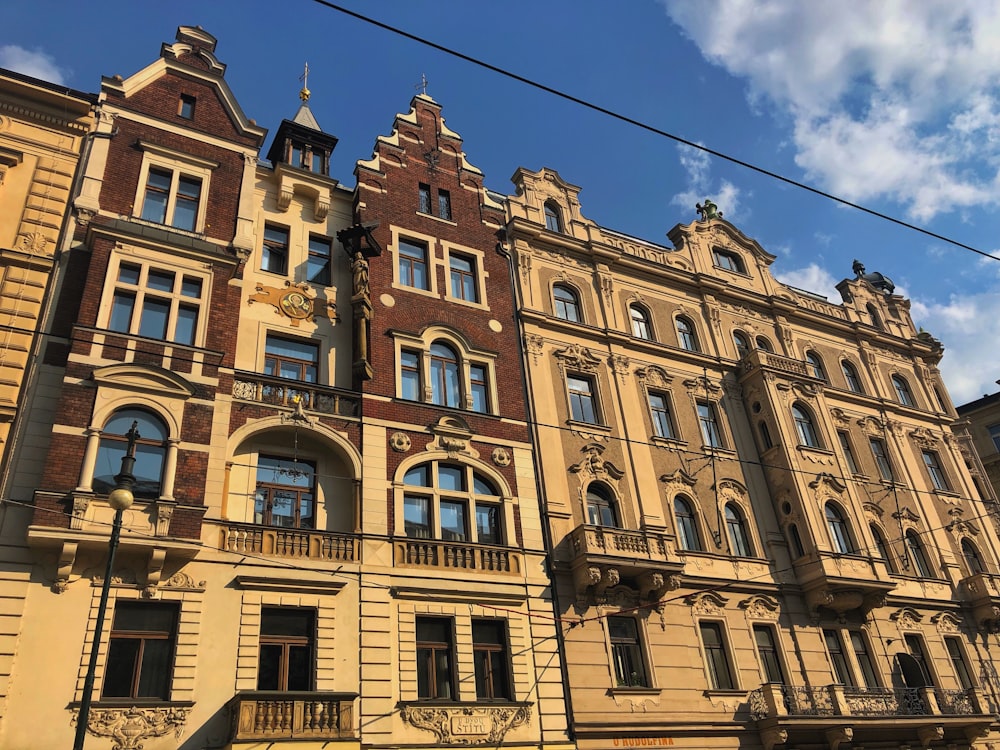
982 593
272 541
843 583
758 358
796 715
604 557
295 394
259 718
466 556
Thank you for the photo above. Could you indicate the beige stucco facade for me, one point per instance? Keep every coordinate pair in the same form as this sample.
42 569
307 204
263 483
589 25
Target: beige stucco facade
983 419
719 517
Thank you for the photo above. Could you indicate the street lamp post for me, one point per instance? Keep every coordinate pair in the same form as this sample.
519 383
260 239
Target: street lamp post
120 498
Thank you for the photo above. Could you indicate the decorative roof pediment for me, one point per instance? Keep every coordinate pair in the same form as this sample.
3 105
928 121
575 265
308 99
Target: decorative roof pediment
148 378
717 232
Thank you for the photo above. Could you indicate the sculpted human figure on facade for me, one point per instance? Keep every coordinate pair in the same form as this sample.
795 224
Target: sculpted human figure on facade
708 210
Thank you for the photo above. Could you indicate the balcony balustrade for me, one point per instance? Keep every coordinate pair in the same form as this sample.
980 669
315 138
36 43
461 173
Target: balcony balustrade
982 592
264 389
263 717
759 358
429 553
289 543
603 557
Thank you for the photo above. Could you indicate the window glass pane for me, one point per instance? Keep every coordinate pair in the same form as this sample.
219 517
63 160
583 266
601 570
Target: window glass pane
417 476
191 287
453 526
416 517
318 262
488 524
154 317
444 204
477 379
451 478
119 671
154 673
269 671
299 667
186 203
128 274
121 311
154 205
161 281
482 486
187 323
840 669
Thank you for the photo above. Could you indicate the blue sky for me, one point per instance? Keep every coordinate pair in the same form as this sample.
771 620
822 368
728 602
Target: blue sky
892 104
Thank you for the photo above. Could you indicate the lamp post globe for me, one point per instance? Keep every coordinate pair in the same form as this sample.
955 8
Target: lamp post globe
120 498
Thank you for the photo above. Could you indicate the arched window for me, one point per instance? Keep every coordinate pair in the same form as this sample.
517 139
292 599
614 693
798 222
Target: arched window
917 556
640 322
881 547
815 365
446 387
742 344
739 540
567 304
286 493
972 558
601 510
150 451
687 529
873 316
685 334
452 502
903 394
553 217
851 376
839 535
763 344
804 427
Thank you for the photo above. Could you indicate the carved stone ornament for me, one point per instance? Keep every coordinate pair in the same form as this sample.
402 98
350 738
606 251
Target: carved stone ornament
181 580
760 607
707 603
906 618
467 725
653 376
130 727
577 357
825 486
958 526
453 436
619 365
296 302
839 416
500 457
594 466
399 442
702 386
946 622
907 518
871 426
535 345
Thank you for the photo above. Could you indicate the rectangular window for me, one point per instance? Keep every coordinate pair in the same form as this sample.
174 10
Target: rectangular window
488 524
453 525
626 652
318 263
864 659
479 388
938 479
492 657
915 645
285 494
845 446
285 661
435 657
710 433
171 198
140 651
958 662
444 204
463 278
581 399
838 659
185 107
318 157
994 430
294 359
767 650
720 676
417 516
274 255
659 408
413 264
409 375
156 303
425 198
881 456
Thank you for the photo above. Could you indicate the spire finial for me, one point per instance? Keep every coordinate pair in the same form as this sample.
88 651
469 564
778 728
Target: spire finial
422 85
304 92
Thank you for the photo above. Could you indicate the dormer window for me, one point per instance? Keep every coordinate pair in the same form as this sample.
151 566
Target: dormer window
553 219
728 260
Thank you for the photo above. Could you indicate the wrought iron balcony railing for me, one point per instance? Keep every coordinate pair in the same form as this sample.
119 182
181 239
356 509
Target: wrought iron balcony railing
773 700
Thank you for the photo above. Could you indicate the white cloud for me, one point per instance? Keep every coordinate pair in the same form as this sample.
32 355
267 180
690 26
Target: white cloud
34 63
813 278
889 98
697 164
970 365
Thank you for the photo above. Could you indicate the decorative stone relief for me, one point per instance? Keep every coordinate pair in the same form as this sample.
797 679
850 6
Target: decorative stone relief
181 580
453 436
924 437
294 302
400 442
501 457
653 376
577 357
535 345
593 466
840 417
946 622
702 386
873 512
907 518
467 725
619 365
707 603
678 482
825 486
871 426
906 618
130 727
958 526
760 607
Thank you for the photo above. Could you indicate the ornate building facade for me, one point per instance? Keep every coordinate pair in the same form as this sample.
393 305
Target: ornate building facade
983 417
764 532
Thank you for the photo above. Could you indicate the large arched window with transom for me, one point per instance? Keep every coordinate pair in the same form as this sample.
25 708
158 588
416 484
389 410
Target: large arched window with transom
641 327
687 527
150 452
566 303
840 536
446 389
453 502
739 539
601 507
804 427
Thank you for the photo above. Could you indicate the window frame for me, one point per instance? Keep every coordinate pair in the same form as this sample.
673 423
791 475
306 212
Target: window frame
415 361
837 654
498 687
177 163
959 661
569 307
641 322
121 635
275 254
728 261
742 343
688 536
552 214
916 552
839 529
627 653
661 416
768 657
186 104
303 493
815 364
916 648
993 431
275 361
600 499
851 377
145 446
409 263
882 547
287 642
904 396
583 402
430 661
435 495
709 427
687 336
717 657
880 454
870 674
805 427
740 542
468 280
444 205
932 463
323 276
974 560
424 203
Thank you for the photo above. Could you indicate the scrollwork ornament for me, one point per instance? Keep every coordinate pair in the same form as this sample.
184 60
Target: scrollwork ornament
130 727
400 442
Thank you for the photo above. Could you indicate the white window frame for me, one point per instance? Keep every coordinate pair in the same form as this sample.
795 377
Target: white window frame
478 258
177 163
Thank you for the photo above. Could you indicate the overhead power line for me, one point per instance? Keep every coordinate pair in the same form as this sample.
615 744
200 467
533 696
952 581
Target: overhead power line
650 128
